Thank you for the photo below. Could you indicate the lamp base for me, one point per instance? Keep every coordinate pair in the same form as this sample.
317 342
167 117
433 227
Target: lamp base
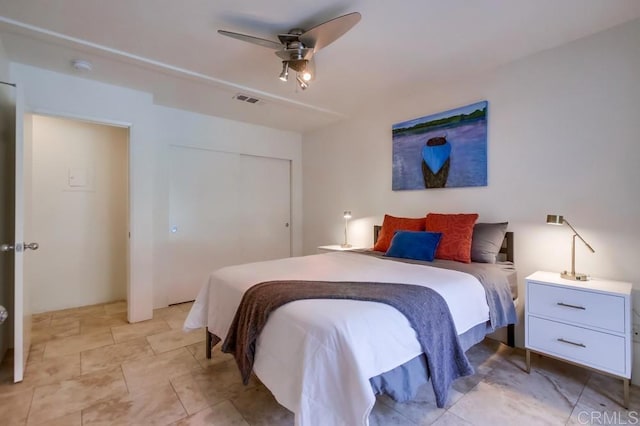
575 277
346 245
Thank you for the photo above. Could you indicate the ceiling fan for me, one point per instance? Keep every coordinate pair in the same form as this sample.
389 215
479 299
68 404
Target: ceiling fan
297 47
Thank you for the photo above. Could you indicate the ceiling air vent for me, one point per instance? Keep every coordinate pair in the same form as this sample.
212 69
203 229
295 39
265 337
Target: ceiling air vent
248 99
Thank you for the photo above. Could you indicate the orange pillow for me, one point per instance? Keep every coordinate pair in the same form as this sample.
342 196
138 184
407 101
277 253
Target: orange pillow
391 224
457 233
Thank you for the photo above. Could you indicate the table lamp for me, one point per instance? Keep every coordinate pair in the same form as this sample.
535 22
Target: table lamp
553 219
347 216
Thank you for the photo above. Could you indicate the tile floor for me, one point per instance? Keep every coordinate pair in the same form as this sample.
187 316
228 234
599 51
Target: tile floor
88 366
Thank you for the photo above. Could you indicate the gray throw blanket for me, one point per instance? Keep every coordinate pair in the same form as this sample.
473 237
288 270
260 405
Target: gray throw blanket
493 277
425 309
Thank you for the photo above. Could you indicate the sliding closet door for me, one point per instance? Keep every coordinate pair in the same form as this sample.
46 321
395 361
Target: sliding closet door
203 196
225 209
265 208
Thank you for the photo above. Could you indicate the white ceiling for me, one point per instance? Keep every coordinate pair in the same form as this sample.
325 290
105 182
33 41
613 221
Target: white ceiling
171 48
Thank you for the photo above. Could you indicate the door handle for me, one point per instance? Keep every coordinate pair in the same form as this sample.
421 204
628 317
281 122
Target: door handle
3 314
32 246
19 247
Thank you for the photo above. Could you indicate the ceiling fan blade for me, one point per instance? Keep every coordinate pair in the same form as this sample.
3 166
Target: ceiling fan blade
251 39
326 33
295 54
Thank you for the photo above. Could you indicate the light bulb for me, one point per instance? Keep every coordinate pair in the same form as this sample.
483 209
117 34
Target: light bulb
284 75
303 84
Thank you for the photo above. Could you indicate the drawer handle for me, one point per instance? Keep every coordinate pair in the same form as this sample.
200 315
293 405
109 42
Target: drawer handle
571 343
566 305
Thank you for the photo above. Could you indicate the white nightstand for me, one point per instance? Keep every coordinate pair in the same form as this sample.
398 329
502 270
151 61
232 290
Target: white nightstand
336 247
587 323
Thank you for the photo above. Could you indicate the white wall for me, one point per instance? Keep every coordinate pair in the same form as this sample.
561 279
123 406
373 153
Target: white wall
81 226
152 129
562 139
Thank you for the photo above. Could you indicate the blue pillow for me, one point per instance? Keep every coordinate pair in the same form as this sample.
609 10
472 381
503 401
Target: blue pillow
414 245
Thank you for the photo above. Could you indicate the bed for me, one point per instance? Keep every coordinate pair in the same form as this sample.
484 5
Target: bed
325 360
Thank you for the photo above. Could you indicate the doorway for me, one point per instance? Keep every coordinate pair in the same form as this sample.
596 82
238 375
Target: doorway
80 213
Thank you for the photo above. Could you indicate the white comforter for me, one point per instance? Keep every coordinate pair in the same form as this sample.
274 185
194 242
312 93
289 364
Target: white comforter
316 356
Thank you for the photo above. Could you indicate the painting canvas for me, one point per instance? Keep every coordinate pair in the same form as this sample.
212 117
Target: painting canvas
443 150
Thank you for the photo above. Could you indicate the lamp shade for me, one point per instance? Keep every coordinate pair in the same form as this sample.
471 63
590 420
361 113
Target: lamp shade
347 214
554 219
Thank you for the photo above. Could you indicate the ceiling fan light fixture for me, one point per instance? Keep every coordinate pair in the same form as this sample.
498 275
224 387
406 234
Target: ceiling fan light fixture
284 75
303 84
307 71
297 48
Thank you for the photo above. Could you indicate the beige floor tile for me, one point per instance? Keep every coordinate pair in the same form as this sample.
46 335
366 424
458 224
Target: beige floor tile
555 384
185 306
221 381
449 419
157 370
69 396
73 419
383 415
56 331
491 405
14 407
139 329
222 414
36 352
162 313
601 403
65 321
192 397
488 352
423 409
160 406
60 318
79 311
169 340
52 370
217 356
114 355
259 408
99 324
42 319
75 344
116 307
176 319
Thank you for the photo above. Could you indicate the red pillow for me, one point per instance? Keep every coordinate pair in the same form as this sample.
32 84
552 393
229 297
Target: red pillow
391 224
457 233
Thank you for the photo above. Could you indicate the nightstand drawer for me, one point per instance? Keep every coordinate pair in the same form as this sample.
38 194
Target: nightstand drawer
603 311
592 348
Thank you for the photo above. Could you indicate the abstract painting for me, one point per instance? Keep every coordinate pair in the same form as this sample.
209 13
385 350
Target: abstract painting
443 150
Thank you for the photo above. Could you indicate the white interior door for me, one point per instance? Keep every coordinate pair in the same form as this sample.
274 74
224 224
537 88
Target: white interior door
225 209
16 247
